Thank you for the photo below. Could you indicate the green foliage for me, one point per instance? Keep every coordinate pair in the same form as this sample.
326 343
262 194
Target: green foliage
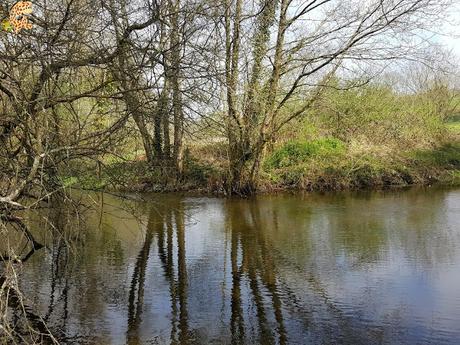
295 152
369 136
377 114
6 25
68 181
454 178
447 155
123 175
197 172
372 168
85 181
454 127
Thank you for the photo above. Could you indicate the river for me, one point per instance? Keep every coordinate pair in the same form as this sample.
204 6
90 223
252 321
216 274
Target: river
345 268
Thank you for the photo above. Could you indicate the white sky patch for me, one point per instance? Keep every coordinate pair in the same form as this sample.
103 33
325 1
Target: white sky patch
452 43
451 30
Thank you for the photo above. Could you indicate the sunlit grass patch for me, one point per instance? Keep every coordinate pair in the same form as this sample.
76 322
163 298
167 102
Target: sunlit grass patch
329 164
295 152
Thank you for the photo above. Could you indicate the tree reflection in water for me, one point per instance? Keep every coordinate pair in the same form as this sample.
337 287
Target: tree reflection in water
166 224
166 227
258 267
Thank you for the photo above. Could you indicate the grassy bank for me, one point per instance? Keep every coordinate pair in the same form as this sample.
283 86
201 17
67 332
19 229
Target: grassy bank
325 164
361 167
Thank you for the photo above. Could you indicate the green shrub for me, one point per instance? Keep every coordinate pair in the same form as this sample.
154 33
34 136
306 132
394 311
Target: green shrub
377 114
198 172
296 152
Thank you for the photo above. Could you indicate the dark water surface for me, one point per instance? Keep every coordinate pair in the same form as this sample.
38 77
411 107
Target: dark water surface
354 268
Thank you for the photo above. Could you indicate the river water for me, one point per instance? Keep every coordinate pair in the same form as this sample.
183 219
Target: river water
347 268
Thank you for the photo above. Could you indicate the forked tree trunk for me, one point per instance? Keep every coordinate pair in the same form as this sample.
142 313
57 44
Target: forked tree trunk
245 145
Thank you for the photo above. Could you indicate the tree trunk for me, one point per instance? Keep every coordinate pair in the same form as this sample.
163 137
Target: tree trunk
266 130
161 115
178 151
235 130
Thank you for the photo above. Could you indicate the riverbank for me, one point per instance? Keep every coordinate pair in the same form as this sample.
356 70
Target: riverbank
370 138
325 165
368 169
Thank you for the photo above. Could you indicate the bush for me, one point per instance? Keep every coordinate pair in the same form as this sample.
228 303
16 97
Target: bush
295 152
377 114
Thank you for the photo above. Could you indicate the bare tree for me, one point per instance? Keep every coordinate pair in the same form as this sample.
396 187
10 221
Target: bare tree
279 55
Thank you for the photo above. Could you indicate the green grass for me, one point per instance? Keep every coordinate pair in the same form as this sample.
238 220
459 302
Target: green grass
454 127
447 155
331 165
139 176
296 152
325 163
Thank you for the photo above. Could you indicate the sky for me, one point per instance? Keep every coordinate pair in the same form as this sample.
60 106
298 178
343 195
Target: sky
452 29
452 43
